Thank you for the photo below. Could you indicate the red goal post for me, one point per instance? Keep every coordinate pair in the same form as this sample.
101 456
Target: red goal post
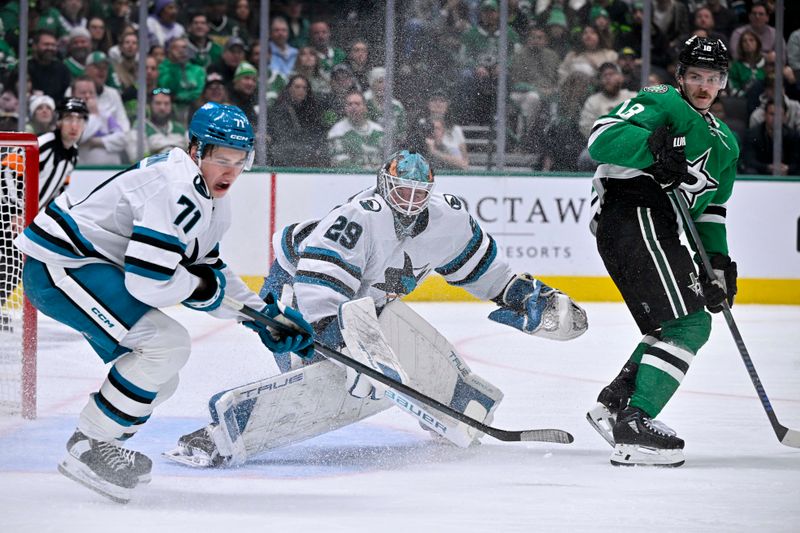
19 203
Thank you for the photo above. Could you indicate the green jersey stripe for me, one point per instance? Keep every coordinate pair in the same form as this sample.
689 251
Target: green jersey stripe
659 259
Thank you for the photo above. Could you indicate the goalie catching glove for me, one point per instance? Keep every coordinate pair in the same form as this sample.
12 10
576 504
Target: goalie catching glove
301 343
723 287
536 309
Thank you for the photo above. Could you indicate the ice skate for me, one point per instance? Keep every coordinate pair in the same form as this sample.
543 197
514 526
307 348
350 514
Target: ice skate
613 398
142 466
104 467
197 449
643 441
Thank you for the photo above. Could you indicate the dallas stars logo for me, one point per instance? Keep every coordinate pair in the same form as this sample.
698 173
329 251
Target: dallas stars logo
695 285
705 182
402 280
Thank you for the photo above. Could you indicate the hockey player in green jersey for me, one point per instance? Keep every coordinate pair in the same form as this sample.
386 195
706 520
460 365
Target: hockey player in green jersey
662 142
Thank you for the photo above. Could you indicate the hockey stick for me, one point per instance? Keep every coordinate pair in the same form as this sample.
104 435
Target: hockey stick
539 435
786 436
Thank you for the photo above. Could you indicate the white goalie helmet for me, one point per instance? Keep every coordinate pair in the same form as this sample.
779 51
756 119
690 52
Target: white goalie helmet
405 181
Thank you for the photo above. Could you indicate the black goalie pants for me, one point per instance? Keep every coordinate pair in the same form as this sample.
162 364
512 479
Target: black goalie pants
637 237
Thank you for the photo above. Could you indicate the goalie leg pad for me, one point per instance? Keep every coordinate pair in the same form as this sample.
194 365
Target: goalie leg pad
435 369
313 400
367 345
461 389
279 411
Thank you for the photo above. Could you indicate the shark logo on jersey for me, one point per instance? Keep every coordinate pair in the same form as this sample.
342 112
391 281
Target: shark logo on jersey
705 182
371 205
402 280
452 201
200 185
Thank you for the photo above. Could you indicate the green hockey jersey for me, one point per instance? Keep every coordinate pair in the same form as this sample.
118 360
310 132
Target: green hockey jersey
619 143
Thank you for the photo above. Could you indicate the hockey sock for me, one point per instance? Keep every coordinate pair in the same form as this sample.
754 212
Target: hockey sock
139 380
645 343
664 364
118 409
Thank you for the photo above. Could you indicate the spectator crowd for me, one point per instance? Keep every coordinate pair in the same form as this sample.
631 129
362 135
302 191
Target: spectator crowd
568 61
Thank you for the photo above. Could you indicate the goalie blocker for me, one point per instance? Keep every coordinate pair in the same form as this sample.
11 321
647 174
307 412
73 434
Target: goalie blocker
313 399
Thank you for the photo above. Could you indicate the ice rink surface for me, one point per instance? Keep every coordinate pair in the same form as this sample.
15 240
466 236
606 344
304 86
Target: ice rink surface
386 474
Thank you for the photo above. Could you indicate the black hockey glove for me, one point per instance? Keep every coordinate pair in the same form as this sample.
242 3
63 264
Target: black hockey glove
209 294
669 168
724 287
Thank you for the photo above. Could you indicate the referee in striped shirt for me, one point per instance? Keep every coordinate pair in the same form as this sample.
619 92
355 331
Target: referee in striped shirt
58 155
58 150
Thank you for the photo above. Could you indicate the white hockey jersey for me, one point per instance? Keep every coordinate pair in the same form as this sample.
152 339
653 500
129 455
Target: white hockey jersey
151 220
355 251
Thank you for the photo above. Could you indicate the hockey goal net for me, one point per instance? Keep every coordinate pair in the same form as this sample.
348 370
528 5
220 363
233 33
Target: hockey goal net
19 202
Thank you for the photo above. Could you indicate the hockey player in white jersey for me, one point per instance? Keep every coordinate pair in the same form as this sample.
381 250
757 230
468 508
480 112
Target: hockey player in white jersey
381 244
104 263
387 239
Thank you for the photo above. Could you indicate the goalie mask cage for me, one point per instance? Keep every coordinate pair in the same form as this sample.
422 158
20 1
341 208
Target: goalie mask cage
19 202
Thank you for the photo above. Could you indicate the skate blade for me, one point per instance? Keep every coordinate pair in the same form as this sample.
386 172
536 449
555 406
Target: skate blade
181 456
635 455
80 473
603 422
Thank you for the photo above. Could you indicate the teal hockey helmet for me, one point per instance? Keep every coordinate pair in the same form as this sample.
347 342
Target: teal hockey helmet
222 125
405 181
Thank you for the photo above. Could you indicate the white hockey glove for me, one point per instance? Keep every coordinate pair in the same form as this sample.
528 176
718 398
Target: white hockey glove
530 306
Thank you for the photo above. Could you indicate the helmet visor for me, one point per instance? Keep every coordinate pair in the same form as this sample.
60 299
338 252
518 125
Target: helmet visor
407 197
700 77
234 163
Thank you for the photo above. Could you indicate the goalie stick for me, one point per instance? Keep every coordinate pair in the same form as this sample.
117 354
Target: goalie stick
531 435
786 436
